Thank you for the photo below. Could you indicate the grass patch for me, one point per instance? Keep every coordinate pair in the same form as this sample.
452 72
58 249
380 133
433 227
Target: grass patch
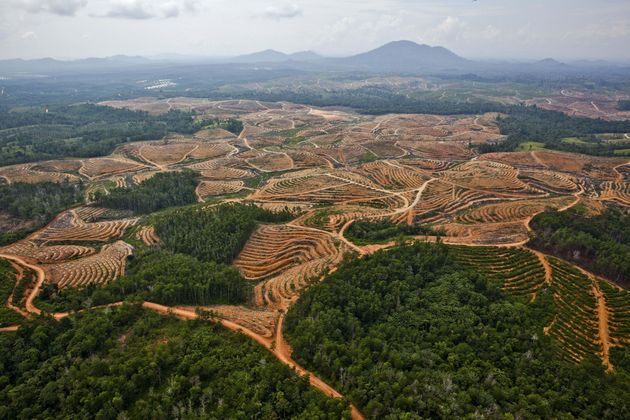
530 145
573 140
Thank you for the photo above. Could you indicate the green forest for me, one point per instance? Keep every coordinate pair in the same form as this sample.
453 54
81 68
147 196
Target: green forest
166 189
131 363
523 124
213 234
38 203
407 333
598 243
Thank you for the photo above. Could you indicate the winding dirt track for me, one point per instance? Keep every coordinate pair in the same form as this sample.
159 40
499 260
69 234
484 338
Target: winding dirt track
602 316
41 276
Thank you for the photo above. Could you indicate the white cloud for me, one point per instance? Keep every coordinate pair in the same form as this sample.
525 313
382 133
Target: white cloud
490 32
149 9
282 11
450 25
28 35
57 7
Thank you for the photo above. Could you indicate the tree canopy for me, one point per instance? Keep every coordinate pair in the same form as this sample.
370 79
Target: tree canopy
129 363
165 189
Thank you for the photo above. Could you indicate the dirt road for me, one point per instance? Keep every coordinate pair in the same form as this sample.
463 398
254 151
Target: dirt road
38 284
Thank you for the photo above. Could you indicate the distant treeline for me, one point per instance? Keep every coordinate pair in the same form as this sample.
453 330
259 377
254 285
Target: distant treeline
377 100
86 130
524 124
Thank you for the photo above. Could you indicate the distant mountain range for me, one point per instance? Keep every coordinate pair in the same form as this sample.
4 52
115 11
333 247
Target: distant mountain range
273 56
393 57
403 56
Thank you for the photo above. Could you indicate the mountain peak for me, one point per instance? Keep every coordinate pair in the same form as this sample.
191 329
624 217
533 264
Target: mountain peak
265 56
406 56
550 62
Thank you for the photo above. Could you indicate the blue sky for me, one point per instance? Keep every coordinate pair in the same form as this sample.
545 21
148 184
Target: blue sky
503 29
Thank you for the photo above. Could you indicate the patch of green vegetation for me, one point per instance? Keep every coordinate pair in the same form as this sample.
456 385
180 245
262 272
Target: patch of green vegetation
83 130
364 232
368 156
166 189
157 275
232 125
292 141
321 217
622 152
573 140
530 145
623 105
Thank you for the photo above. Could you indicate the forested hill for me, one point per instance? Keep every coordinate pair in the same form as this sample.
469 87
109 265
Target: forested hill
406 333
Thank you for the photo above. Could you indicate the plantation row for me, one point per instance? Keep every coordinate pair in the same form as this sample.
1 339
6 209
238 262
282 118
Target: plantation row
207 189
518 271
100 231
511 211
394 176
549 181
618 303
101 268
576 324
46 254
27 174
273 248
616 191
147 235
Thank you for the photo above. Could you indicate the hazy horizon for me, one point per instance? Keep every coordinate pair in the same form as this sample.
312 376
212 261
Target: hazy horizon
483 29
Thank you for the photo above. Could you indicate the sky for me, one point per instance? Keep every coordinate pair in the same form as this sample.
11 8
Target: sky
497 29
